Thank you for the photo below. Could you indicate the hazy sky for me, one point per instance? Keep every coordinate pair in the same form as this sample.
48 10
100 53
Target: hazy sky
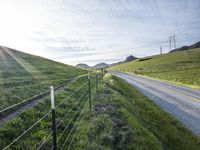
92 31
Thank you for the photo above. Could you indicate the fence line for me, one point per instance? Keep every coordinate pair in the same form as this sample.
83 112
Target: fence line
83 104
29 82
45 140
41 95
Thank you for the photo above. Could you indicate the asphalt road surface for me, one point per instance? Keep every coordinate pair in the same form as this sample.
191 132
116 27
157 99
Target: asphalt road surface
182 102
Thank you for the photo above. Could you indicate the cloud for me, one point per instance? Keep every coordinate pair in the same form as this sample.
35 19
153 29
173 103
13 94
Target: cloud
97 30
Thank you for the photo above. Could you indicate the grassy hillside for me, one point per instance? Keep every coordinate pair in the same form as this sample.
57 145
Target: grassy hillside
178 67
23 76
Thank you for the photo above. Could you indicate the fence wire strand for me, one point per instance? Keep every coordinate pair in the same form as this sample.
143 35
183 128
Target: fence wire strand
16 139
70 122
73 126
45 140
71 95
24 101
82 106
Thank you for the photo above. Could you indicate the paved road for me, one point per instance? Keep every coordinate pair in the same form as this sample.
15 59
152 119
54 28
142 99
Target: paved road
182 102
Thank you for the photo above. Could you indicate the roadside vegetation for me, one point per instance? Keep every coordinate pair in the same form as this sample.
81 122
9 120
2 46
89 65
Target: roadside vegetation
71 106
181 67
121 118
23 76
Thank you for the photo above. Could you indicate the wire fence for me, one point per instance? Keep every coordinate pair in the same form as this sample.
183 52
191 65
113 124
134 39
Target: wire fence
74 116
38 96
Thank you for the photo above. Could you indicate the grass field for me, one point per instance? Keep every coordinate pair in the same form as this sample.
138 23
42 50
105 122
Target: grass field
177 67
23 76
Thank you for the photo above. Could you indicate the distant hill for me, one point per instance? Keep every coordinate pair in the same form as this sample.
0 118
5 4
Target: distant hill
97 66
130 58
84 66
101 65
184 48
105 65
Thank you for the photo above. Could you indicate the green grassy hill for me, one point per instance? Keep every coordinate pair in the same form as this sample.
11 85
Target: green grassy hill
178 67
23 76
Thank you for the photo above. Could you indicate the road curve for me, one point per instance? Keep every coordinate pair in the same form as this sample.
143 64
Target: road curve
182 102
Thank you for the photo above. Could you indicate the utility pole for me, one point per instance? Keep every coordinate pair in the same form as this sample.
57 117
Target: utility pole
160 50
89 92
97 82
170 43
102 75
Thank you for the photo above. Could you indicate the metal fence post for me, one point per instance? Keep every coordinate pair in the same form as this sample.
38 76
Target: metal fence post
54 147
89 90
102 75
96 82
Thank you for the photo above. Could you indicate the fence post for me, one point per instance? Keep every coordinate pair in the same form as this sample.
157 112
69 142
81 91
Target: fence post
102 75
53 118
89 90
96 82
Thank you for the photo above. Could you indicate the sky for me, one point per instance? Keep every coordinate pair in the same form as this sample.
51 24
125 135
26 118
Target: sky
94 31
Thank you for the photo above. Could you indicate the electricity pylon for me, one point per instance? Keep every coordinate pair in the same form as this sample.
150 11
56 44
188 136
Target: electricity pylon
172 37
